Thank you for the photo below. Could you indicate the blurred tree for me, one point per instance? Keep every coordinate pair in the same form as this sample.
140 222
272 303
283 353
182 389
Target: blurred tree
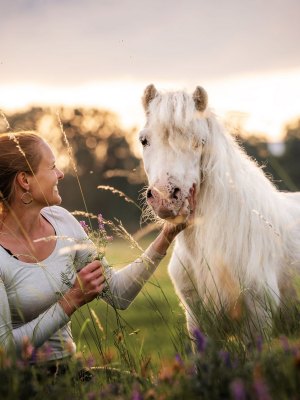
280 161
258 148
291 158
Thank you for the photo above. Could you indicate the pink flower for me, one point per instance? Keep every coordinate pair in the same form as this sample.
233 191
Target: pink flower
261 389
44 352
237 389
100 222
91 396
90 362
137 395
84 226
27 348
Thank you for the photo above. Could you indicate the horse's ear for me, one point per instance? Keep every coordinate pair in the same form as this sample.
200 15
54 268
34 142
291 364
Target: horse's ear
149 94
200 98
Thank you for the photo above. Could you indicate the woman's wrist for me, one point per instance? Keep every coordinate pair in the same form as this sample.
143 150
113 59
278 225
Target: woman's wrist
166 237
161 243
69 303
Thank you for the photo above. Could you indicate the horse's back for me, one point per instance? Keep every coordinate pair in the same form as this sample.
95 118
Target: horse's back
293 201
295 196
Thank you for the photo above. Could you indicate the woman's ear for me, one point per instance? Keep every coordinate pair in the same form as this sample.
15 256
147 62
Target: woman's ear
22 180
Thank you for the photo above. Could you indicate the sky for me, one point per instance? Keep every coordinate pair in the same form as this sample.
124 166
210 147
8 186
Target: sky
103 53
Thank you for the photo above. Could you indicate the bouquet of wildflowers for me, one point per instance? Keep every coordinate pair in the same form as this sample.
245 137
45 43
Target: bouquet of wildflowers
100 239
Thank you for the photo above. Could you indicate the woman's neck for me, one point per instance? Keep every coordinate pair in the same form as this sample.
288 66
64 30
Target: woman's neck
22 221
21 229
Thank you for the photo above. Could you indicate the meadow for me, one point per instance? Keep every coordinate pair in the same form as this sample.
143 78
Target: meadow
144 352
155 322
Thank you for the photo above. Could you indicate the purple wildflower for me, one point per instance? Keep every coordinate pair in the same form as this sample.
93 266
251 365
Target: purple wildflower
261 390
44 352
27 348
90 362
100 222
200 340
84 226
285 343
137 395
48 350
237 389
178 359
91 396
259 344
225 357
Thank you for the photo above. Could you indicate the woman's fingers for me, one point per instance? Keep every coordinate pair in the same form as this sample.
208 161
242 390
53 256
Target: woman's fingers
98 281
91 278
91 271
89 283
97 284
93 266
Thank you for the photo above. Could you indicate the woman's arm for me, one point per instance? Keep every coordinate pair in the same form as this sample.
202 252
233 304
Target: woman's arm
166 237
37 331
88 284
125 284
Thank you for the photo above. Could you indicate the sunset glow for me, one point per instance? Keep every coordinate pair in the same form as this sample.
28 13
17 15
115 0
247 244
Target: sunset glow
263 104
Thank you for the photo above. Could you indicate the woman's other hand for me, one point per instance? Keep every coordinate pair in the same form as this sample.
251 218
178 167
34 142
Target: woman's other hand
89 282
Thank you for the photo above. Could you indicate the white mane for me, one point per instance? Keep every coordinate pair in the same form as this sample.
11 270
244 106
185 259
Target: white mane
241 212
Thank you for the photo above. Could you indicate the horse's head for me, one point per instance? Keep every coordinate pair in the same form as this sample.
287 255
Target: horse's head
172 140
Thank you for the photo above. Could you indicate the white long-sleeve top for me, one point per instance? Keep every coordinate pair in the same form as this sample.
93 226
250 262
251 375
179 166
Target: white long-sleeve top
29 292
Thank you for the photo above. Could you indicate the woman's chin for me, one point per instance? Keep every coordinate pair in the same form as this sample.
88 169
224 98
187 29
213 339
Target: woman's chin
56 201
59 200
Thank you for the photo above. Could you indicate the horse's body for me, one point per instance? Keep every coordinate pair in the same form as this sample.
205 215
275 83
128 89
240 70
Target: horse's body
244 247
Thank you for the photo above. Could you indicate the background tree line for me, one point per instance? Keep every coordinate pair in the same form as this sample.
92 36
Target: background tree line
105 154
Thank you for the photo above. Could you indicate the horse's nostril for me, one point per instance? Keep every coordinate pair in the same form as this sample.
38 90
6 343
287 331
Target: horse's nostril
175 193
149 194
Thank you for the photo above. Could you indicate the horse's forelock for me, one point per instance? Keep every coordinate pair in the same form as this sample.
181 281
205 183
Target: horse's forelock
173 110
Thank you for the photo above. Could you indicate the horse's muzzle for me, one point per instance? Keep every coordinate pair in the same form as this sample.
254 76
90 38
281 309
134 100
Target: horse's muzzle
170 205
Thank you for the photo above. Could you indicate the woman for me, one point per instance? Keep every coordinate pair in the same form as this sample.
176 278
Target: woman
42 282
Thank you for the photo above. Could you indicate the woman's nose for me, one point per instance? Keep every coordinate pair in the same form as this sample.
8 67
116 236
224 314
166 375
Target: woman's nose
60 174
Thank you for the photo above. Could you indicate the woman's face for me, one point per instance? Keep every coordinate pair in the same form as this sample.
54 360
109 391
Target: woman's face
43 184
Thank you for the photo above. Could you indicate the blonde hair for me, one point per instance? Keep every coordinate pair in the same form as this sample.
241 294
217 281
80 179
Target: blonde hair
18 153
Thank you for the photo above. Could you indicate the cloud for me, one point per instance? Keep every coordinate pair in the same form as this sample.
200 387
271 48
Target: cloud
70 41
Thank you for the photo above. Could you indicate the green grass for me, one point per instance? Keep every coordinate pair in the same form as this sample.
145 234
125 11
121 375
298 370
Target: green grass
155 323
144 341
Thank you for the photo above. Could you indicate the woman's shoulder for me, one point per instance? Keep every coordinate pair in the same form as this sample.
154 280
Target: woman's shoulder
57 212
62 219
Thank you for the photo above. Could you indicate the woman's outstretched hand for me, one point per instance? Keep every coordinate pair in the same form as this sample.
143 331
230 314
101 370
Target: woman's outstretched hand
89 282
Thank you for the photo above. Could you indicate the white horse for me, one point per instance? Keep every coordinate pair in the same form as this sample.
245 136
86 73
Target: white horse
244 247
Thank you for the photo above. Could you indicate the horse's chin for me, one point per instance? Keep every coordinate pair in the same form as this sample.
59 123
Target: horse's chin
175 216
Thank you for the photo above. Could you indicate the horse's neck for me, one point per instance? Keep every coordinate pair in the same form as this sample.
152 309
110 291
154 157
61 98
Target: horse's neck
232 179
237 211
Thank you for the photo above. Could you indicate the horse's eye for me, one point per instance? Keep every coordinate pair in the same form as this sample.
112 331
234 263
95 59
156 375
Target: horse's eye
144 142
